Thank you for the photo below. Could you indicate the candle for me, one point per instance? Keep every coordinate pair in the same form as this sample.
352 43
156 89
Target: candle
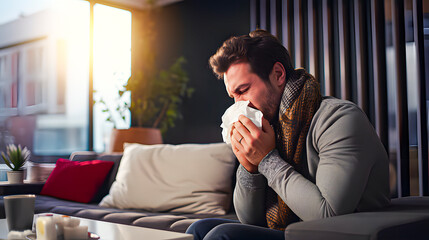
45 228
71 222
78 232
59 221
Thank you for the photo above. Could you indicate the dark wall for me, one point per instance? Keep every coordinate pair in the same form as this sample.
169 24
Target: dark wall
196 29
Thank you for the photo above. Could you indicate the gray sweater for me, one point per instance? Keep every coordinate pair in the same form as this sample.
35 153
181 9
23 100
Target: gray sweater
347 164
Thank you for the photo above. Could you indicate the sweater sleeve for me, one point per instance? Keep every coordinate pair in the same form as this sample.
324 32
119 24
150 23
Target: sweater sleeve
249 197
347 146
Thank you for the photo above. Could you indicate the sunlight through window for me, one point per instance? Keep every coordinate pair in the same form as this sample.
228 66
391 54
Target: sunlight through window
112 68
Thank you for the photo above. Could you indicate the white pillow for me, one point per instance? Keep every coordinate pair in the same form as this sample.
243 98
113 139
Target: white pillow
188 178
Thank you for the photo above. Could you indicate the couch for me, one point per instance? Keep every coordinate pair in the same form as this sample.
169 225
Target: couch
177 222
405 218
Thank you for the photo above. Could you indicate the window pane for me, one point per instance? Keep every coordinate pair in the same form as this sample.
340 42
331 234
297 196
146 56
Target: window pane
112 68
44 77
64 128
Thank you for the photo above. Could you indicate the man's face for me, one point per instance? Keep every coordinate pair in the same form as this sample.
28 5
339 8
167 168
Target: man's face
242 85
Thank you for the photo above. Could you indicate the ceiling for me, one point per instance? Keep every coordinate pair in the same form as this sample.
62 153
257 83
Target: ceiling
142 4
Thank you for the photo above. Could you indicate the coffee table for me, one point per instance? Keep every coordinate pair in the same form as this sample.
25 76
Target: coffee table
114 231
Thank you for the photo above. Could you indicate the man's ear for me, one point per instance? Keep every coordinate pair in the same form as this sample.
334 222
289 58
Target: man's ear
279 73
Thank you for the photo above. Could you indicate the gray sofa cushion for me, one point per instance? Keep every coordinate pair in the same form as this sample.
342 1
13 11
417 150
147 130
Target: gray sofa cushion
51 204
405 218
177 222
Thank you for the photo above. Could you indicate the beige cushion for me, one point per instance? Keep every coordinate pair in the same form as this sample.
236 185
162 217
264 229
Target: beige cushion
188 178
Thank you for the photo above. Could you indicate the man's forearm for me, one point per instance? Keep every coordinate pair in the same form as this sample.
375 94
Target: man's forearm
304 197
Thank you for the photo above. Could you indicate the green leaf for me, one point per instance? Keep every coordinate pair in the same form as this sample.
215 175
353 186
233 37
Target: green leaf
6 160
151 88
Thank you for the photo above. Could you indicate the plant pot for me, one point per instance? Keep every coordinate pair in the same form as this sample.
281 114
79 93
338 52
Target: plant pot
140 135
15 176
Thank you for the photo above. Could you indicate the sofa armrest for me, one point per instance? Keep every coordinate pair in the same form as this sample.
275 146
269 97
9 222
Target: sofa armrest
405 218
83 155
22 188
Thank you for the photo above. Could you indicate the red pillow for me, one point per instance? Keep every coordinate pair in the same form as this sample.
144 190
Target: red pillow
76 181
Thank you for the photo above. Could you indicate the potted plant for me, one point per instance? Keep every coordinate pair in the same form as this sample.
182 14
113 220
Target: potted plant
155 100
156 95
155 106
15 158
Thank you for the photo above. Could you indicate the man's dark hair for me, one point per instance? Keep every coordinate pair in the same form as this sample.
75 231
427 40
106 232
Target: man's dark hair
260 49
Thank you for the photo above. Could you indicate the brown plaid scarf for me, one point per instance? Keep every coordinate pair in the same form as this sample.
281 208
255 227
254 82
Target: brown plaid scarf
301 99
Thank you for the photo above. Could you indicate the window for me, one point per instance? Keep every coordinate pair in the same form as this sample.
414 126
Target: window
8 82
45 74
112 68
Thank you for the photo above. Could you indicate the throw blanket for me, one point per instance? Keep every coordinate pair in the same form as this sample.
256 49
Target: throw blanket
301 99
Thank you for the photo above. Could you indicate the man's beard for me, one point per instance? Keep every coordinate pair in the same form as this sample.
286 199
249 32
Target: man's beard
270 110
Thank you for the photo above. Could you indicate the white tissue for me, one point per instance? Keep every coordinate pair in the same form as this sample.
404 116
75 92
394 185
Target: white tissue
19 235
231 116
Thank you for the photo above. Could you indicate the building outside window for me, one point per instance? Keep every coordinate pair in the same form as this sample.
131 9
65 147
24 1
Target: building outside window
45 61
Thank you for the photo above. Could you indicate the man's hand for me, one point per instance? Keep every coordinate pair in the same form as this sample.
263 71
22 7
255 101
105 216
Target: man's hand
250 143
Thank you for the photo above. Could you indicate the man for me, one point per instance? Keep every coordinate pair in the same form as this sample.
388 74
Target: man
314 157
